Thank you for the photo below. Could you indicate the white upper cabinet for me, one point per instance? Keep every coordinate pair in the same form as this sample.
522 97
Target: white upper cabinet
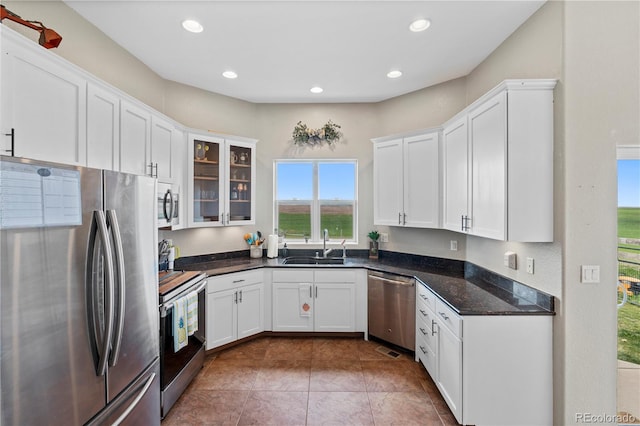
488 145
407 180
387 182
135 139
43 104
163 141
455 176
422 181
498 164
221 180
103 128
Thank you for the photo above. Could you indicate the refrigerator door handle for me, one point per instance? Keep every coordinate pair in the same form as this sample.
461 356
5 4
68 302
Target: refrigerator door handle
120 301
103 348
136 401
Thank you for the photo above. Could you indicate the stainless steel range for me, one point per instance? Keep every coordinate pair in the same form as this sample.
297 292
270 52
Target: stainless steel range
179 365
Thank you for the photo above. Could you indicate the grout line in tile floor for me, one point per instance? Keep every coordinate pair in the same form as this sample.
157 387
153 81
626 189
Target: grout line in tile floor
306 381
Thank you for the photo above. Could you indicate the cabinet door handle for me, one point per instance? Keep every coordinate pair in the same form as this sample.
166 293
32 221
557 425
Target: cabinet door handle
404 218
235 297
433 327
310 292
240 297
156 166
13 141
462 222
228 218
316 292
399 218
424 351
465 222
444 316
423 331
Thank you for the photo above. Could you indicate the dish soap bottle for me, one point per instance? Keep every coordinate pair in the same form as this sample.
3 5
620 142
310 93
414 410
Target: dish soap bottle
285 250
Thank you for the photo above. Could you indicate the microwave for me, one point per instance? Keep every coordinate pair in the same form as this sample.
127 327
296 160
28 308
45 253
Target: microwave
168 205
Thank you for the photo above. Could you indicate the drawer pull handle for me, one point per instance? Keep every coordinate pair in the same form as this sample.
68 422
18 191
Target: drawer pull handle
444 316
423 331
424 351
237 281
423 312
424 297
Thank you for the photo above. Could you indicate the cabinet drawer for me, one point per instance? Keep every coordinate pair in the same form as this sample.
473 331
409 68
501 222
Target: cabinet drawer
426 355
447 316
424 330
424 313
238 279
292 276
335 276
426 296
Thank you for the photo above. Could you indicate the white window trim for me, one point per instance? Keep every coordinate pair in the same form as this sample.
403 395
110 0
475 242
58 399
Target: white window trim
316 235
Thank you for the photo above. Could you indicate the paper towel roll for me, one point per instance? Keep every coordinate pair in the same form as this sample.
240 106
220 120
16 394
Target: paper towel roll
272 246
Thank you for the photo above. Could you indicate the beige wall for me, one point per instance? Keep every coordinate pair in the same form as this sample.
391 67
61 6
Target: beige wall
591 47
601 98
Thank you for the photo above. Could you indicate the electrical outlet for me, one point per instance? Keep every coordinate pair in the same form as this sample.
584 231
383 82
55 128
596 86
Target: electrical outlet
453 245
384 237
530 265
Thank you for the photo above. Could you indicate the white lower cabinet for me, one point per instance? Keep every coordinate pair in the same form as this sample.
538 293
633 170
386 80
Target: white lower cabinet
235 307
490 369
321 300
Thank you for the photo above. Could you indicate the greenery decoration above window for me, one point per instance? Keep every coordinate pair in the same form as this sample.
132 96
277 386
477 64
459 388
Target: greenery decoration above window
304 136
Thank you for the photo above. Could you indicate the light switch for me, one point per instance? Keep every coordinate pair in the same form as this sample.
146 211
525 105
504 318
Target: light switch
510 260
590 274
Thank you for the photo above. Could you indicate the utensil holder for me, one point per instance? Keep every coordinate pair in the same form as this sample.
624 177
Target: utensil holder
255 251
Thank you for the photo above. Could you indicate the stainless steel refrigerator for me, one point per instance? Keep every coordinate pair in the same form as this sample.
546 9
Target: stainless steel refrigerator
79 296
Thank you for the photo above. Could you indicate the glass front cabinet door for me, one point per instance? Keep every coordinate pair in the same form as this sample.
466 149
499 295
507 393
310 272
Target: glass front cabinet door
221 181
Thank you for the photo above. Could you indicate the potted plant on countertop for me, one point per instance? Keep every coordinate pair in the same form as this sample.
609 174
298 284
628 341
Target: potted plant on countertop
373 244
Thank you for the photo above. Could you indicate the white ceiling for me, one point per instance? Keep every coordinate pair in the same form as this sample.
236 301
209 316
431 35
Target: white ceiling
280 49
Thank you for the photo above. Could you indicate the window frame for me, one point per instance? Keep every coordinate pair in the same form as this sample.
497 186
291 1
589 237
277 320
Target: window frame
316 234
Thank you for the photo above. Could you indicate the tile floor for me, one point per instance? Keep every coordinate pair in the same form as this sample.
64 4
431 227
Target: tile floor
310 381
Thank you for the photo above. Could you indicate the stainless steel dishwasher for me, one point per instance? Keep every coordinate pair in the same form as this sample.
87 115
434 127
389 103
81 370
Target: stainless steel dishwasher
392 308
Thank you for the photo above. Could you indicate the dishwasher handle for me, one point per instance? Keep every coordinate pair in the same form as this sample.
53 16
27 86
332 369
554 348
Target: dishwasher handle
394 282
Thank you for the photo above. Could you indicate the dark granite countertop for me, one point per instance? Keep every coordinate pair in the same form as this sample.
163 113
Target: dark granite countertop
465 287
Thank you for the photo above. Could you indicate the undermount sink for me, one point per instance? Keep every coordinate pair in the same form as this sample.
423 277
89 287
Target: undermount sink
308 260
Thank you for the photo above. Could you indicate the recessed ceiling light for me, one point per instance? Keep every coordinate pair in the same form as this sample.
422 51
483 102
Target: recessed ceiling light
419 25
192 26
316 89
230 74
394 74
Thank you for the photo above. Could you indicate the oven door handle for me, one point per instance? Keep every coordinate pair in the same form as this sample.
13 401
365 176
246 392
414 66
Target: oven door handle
169 303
